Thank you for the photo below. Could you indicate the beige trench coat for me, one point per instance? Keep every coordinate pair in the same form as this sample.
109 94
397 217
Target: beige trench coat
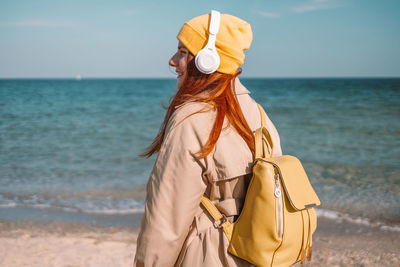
176 230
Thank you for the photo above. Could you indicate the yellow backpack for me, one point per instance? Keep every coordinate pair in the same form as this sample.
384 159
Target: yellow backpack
277 220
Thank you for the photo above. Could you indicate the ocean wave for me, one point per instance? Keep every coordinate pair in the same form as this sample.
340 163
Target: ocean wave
76 210
97 203
108 205
339 216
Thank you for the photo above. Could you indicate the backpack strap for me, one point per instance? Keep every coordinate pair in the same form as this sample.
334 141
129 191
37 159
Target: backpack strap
262 115
220 220
263 142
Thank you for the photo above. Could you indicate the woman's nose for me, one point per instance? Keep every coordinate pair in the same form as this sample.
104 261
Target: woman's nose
172 61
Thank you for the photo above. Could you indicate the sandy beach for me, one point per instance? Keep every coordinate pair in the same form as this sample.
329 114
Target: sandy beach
61 244
50 244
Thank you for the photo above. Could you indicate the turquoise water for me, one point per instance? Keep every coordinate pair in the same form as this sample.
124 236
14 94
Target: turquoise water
68 148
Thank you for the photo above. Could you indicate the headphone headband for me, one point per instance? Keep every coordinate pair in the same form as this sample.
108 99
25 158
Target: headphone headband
215 18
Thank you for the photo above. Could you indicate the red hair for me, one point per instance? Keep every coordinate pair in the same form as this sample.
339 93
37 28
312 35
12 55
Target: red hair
216 88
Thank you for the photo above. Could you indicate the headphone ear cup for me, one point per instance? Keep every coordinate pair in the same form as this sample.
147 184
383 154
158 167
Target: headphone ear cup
207 60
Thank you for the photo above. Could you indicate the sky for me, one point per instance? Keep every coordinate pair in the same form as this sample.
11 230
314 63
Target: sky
135 39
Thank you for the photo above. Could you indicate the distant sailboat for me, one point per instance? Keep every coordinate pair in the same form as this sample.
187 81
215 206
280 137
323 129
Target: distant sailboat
78 77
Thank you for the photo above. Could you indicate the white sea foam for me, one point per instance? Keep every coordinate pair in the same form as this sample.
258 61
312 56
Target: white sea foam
76 210
8 205
335 215
79 204
114 211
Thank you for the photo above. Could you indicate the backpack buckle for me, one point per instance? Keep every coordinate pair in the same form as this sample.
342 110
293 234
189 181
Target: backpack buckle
220 222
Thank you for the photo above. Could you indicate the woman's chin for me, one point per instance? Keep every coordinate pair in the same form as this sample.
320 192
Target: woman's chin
180 82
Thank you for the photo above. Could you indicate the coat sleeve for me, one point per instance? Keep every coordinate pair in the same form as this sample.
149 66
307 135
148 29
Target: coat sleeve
174 192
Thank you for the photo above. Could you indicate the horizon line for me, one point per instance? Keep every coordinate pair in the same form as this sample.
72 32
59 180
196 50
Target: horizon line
174 78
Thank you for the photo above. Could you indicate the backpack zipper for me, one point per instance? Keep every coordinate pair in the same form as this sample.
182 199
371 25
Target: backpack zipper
278 195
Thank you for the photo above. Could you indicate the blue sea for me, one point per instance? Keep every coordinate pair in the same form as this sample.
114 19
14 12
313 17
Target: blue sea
68 147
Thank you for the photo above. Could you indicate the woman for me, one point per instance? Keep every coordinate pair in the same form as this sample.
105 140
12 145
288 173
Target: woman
205 147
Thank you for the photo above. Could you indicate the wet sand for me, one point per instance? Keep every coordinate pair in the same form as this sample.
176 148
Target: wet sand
62 244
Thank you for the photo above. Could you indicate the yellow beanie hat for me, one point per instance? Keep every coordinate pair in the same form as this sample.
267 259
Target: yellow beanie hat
234 36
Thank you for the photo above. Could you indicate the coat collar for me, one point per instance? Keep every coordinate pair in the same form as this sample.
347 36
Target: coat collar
239 87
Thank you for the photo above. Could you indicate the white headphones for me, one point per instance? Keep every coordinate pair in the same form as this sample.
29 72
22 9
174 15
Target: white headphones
207 59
